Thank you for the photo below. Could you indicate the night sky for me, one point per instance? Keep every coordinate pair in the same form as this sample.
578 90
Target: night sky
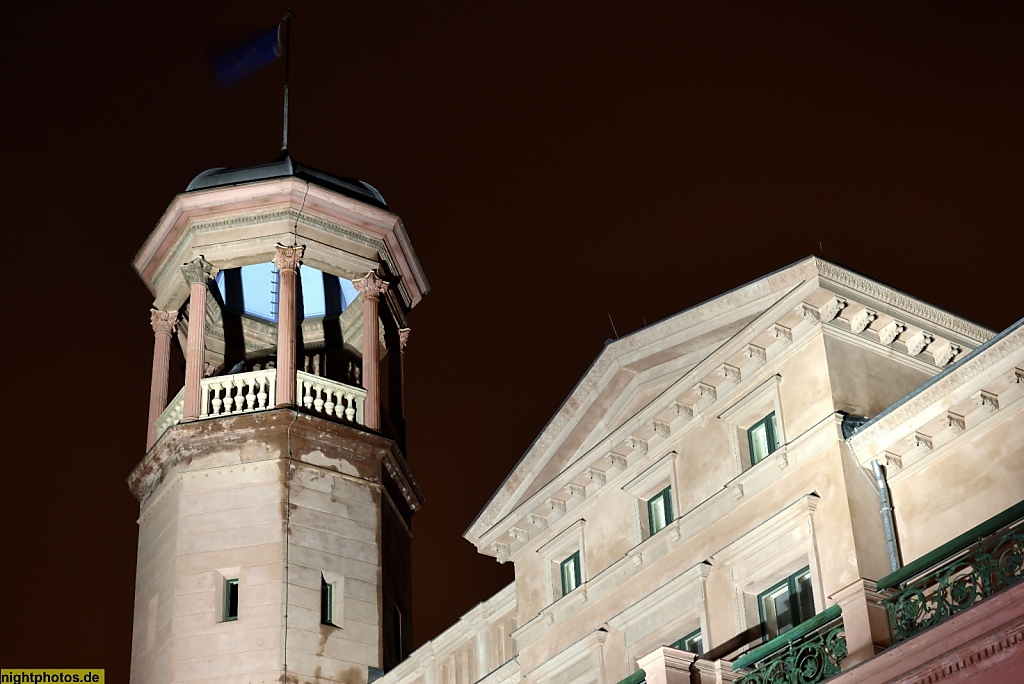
554 163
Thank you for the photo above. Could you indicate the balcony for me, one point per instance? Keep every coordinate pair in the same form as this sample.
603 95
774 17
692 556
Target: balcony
807 654
230 395
979 563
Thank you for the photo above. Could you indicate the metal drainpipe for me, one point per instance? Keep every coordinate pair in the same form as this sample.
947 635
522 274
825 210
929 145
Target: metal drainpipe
887 521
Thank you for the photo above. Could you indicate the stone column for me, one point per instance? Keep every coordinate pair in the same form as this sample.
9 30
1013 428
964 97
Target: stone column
371 286
197 274
165 324
287 261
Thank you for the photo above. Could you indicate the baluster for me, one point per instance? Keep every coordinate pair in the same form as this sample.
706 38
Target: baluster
239 394
318 403
339 405
329 404
307 397
261 396
216 402
204 397
228 400
360 401
250 398
350 407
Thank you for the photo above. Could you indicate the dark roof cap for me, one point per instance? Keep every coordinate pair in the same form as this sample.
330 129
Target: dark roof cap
284 167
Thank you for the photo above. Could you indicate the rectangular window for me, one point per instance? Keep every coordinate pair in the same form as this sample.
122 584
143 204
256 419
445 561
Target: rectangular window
326 602
762 438
571 575
230 599
692 642
787 604
659 510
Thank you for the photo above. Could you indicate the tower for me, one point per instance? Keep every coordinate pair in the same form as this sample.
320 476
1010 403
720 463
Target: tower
275 498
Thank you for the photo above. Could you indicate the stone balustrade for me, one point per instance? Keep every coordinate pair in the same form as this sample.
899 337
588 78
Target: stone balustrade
331 398
239 393
172 414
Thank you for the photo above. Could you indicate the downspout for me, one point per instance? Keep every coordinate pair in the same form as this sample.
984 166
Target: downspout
887 520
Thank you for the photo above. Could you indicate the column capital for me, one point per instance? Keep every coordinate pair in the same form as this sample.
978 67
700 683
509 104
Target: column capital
403 338
198 271
163 321
371 285
289 258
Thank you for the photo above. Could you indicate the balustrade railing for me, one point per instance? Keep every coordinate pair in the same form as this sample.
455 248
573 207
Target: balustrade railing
239 393
807 654
330 398
172 414
957 575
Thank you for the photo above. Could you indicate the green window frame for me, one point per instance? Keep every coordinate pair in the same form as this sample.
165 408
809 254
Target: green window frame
571 573
326 602
762 439
786 605
659 511
692 643
230 599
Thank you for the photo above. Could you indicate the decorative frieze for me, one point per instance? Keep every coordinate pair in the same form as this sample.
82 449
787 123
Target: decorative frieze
684 410
617 460
730 372
917 342
921 440
756 353
890 332
861 320
537 520
576 491
782 333
893 461
638 443
707 391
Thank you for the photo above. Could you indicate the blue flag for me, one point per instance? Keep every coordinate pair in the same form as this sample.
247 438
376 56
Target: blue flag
231 66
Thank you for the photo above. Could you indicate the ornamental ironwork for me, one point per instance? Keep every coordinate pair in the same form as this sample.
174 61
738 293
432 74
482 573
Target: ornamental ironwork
807 661
986 568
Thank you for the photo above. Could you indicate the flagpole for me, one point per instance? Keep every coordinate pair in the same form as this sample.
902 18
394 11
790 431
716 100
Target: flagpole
287 71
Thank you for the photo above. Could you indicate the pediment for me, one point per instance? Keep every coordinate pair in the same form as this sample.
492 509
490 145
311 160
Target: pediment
643 384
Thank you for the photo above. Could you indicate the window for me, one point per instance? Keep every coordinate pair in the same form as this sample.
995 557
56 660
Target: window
787 604
659 510
571 574
230 599
692 642
762 438
757 421
326 602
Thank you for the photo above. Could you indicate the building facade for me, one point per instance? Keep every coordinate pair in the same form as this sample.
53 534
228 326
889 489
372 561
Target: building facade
811 477
275 499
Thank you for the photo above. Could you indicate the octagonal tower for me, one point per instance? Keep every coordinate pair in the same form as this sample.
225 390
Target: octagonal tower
275 496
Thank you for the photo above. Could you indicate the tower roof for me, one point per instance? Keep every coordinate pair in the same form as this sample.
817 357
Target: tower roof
284 167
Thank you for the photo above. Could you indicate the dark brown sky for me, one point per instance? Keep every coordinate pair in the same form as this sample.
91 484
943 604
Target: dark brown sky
554 163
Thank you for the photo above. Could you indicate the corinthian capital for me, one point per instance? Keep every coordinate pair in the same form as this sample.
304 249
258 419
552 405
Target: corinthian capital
163 321
403 337
199 270
371 285
288 258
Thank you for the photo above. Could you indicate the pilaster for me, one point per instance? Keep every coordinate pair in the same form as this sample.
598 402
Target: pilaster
165 324
864 621
371 286
197 274
287 261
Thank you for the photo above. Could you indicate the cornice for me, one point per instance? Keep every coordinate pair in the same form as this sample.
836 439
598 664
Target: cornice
900 301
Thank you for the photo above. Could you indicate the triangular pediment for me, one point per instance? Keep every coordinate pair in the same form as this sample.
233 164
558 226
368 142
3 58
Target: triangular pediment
673 367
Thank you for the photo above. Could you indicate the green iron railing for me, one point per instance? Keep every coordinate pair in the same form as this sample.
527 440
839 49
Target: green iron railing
955 576
807 654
